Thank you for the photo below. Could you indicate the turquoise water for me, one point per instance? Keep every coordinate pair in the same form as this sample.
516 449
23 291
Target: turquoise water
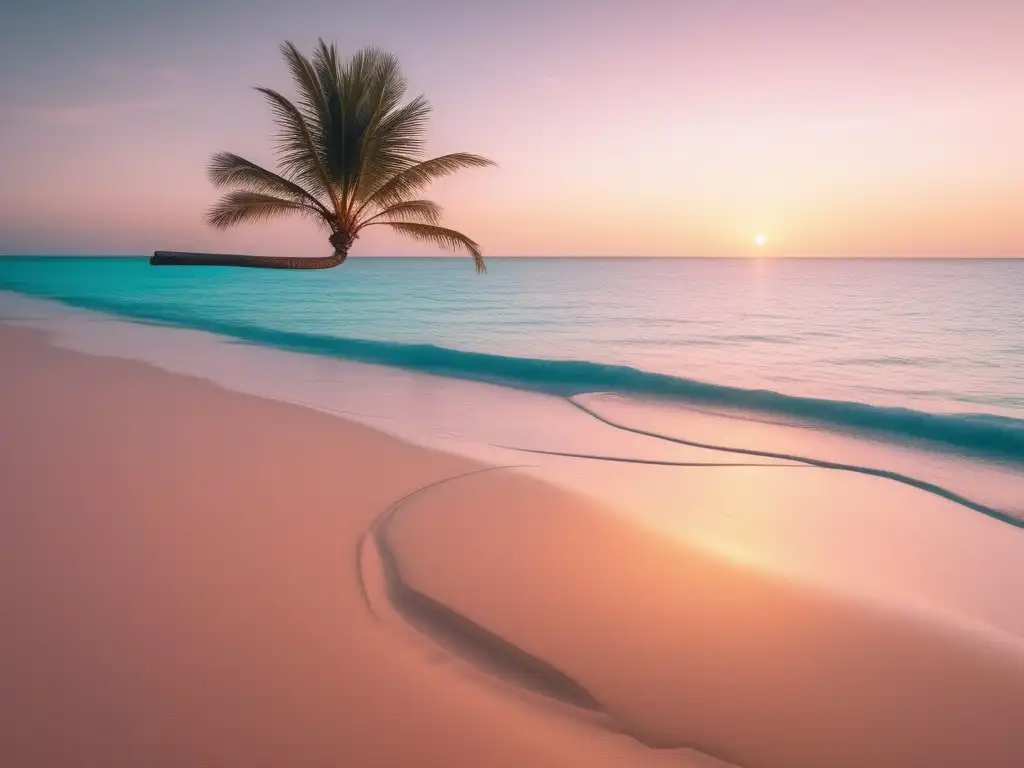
927 350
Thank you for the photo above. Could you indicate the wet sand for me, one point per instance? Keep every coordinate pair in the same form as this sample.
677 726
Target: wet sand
195 577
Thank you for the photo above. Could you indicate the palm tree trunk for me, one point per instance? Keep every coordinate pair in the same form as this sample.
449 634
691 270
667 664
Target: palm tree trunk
228 260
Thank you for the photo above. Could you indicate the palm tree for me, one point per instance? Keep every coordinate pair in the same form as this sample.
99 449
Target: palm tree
351 156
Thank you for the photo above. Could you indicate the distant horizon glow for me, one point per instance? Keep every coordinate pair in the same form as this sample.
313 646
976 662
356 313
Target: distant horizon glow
655 130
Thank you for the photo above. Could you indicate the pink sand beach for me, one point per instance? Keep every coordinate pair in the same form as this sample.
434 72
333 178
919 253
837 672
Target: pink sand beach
199 577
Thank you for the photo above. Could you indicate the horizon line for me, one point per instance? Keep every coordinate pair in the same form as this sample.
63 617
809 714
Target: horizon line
736 257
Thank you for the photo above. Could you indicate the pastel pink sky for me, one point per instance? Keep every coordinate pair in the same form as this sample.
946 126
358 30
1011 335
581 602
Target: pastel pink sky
652 127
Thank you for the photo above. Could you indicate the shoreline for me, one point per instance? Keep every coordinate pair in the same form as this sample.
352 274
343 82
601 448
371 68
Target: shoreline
187 595
987 438
988 486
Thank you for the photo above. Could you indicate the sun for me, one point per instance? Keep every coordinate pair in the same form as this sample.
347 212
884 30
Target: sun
760 240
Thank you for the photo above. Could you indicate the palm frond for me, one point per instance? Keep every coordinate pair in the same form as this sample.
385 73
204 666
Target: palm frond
312 101
368 135
227 169
446 238
411 180
387 82
422 211
401 130
299 152
395 138
372 83
394 145
240 206
346 119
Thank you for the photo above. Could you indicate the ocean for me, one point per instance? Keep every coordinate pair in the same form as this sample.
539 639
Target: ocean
927 350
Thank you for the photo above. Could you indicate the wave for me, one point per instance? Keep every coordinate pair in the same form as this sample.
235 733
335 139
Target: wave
991 436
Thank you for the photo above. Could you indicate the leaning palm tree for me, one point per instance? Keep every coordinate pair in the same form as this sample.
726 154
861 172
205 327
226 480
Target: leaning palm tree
350 154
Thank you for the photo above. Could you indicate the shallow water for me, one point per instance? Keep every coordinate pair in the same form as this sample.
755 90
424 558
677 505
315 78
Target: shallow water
910 350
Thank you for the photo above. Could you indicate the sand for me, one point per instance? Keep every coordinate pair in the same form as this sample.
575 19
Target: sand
195 577
682 646
178 587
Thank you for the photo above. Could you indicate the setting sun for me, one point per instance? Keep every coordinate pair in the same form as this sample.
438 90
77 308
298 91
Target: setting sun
760 240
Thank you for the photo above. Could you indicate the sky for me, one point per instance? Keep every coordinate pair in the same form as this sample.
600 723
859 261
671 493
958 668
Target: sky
649 127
